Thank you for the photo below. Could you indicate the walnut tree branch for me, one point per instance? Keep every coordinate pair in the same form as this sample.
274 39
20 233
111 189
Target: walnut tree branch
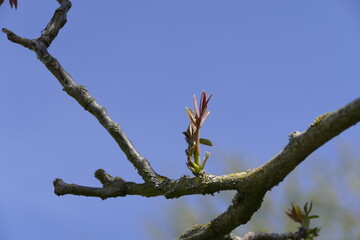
270 174
251 185
78 92
275 170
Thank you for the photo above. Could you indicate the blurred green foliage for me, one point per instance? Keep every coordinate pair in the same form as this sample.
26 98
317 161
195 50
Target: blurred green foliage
332 185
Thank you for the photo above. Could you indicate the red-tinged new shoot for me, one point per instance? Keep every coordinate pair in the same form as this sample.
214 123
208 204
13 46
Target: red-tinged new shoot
192 135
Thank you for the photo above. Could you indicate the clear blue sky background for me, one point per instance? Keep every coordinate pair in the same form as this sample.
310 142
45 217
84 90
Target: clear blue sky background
273 66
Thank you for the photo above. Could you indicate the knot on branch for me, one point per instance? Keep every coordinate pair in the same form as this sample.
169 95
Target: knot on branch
60 187
107 180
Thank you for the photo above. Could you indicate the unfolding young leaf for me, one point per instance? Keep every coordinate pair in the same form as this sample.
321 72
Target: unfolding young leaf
205 142
196 107
191 114
203 117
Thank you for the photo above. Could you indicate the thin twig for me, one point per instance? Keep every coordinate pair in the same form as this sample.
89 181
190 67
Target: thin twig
79 92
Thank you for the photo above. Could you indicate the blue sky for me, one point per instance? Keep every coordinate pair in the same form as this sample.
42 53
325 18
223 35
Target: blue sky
273 67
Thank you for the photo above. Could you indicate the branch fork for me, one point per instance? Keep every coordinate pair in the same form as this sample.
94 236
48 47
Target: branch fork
251 185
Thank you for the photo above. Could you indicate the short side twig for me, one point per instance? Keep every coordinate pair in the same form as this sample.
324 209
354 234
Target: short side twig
112 187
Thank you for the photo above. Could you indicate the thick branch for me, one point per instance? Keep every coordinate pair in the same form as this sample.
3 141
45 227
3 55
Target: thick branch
302 144
265 177
79 93
240 212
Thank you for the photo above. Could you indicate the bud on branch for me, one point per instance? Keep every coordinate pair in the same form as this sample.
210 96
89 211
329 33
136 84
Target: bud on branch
303 217
192 135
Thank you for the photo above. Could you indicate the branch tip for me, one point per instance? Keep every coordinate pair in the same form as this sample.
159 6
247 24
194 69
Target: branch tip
57 185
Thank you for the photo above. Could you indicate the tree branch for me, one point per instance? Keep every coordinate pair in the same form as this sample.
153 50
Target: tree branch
56 23
265 177
112 187
244 205
251 185
272 172
79 93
